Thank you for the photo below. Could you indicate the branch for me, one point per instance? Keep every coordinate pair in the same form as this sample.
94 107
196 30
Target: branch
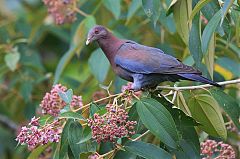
198 87
8 123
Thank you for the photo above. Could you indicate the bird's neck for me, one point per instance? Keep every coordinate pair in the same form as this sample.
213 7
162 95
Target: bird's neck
109 46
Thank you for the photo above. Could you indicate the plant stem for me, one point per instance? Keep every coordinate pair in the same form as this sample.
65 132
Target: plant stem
139 137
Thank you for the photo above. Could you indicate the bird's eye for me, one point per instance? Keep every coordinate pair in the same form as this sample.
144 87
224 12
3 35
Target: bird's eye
96 32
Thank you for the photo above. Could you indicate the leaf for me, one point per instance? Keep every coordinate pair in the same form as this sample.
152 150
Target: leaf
209 57
225 8
209 30
66 96
71 115
113 6
37 151
146 150
26 90
11 60
170 8
158 120
204 109
75 133
233 47
198 7
181 12
64 139
132 9
76 45
188 150
152 9
87 135
99 65
229 105
45 119
195 41
229 64
181 103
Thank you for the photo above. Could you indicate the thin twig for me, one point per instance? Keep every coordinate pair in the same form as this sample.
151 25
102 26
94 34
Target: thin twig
198 87
139 137
81 12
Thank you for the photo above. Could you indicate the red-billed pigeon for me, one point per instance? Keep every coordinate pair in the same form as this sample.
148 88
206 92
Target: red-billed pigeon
145 66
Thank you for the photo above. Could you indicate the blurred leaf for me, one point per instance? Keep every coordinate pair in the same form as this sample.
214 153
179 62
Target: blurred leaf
36 152
167 21
209 30
76 45
71 115
195 41
99 65
198 7
229 105
230 65
11 59
209 57
132 9
158 120
152 9
26 90
66 96
226 6
63 151
231 46
187 151
87 135
181 12
45 119
146 150
205 109
170 8
113 6
75 133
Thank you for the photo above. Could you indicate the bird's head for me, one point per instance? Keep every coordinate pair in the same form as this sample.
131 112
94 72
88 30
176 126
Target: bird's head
96 33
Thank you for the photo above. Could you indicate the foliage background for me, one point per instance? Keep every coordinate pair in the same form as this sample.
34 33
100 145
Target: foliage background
36 53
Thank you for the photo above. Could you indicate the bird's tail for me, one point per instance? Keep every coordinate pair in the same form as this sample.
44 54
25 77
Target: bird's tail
199 78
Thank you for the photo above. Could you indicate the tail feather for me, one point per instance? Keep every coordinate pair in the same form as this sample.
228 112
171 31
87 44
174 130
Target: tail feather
198 78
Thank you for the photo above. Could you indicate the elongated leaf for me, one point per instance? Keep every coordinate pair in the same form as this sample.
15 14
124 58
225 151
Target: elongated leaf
134 6
113 6
209 57
205 109
77 44
158 120
11 60
87 135
147 150
229 64
152 9
99 65
71 115
229 105
225 8
170 8
36 152
66 96
195 41
181 103
198 7
209 30
233 47
181 12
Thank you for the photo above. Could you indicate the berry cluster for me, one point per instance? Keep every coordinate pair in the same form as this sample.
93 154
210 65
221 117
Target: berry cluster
211 148
61 10
112 125
127 88
33 135
52 102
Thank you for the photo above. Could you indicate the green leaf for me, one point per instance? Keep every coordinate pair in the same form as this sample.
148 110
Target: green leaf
45 119
229 105
209 30
113 6
195 41
11 60
181 12
77 44
205 109
64 140
66 96
158 120
233 47
26 90
209 57
198 7
152 9
75 133
146 150
170 8
99 65
36 152
87 135
225 8
132 9
188 150
71 115
229 64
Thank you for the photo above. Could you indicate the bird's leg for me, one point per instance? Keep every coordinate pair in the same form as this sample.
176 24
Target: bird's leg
137 84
